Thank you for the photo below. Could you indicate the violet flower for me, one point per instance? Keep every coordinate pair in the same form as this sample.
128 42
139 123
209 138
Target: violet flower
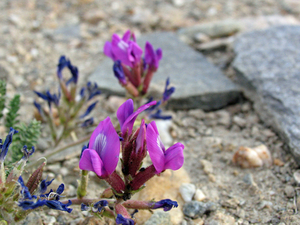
124 221
64 62
89 109
163 159
168 91
102 155
125 50
127 117
119 73
166 204
152 57
6 144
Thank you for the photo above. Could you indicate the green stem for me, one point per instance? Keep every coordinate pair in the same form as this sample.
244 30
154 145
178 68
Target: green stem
55 151
81 190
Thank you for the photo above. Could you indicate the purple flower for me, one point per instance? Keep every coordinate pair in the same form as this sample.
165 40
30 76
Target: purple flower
25 193
141 138
25 205
38 106
163 159
88 122
44 185
125 50
84 207
64 62
27 153
52 204
124 221
152 57
93 90
102 155
119 73
50 98
166 204
6 144
127 117
98 206
89 109
168 91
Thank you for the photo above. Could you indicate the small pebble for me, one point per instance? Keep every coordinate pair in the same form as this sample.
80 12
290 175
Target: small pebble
199 195
289 191
187 191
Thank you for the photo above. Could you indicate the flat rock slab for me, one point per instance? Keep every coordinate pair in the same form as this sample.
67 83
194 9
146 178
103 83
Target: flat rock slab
268 66
199 84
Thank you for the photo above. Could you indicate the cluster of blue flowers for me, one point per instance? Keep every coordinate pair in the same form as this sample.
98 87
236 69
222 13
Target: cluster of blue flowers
50 199
155 112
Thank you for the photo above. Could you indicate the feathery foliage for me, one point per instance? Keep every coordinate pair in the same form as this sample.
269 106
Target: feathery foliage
28 135
11 117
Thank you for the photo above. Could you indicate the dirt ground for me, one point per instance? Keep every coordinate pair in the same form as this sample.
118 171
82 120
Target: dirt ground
34 35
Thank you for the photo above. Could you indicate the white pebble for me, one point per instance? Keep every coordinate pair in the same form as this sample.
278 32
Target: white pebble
187 191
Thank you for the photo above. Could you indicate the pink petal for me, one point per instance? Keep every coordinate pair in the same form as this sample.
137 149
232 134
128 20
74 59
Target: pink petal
124 111
108 50
174 157
128 124
155 147
158 54
105 141
149 53
141 137
91 161
137 51
126 36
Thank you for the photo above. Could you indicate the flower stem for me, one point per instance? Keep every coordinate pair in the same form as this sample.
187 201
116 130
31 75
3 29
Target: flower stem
82 187
58 150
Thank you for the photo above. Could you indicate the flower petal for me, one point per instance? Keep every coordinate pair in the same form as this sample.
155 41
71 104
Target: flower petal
108 51
105 141
141 137
155 147
91 161
128 124
174 157
124 111
126 36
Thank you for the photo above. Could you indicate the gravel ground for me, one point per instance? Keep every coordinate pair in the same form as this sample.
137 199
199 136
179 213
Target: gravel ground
35 33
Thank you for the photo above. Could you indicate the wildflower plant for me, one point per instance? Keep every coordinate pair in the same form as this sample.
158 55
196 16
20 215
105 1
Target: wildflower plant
101 156
63 110
133 70
18 199
29 133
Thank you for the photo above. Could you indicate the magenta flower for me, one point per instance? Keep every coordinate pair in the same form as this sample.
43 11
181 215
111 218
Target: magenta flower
102 154
163 159
152 57
127 117
125 50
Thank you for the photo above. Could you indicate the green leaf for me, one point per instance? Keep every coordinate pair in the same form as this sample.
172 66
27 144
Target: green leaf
28 135
11 117
2 96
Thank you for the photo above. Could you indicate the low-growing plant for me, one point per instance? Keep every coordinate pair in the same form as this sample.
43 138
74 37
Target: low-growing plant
101 156
63 109
18 199
29 133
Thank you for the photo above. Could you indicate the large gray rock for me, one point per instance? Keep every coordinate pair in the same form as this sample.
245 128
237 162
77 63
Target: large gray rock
199 84
268 66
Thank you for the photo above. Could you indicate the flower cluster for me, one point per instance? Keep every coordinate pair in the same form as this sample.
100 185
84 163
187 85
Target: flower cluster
67 103
102 156
30 196
51 199
155 111
133 71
